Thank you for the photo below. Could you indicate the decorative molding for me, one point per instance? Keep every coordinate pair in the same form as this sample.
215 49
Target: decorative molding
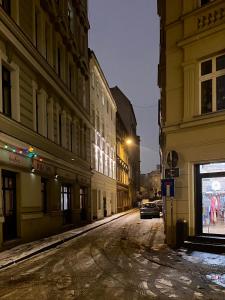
211 18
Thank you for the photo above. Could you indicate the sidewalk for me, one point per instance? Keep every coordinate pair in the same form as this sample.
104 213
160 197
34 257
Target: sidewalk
24 251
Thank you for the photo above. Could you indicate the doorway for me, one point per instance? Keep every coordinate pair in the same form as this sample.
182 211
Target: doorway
104 207
9 205
83 203
210 214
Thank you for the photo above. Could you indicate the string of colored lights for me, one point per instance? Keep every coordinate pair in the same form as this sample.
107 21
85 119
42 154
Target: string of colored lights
28 152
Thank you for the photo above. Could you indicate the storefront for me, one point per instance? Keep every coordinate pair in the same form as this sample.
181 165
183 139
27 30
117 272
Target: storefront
210 199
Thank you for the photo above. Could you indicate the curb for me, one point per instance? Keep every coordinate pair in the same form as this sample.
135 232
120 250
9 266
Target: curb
59 242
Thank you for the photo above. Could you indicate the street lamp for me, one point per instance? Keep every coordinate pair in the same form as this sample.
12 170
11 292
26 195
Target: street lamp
129 141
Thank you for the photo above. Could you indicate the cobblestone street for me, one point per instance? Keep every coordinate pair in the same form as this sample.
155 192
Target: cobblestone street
125 259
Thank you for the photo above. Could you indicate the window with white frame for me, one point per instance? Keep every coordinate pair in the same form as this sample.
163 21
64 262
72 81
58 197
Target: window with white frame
6 92
212 84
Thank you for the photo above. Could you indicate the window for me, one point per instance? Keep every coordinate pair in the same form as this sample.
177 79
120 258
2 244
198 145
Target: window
6 6
83 197
6 92
212 79
103 129
60 129
59 61
71 78
47 41
71 136
99 200
37 113
107 105
85 141
98 123
84 91
44 194
65 197
204 2
70 16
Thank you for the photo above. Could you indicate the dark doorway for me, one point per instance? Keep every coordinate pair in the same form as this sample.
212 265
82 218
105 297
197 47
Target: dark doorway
9 205
104 207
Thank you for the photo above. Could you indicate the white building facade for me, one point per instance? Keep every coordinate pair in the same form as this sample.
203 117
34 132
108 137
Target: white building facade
103 116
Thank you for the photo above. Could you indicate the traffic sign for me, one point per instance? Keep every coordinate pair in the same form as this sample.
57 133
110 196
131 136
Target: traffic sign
171 173
167 187
172 159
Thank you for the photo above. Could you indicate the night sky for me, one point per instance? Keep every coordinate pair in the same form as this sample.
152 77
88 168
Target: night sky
124 35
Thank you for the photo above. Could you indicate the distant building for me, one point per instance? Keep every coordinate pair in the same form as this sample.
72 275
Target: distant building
45 118
192 113
128 152
103 116
151 184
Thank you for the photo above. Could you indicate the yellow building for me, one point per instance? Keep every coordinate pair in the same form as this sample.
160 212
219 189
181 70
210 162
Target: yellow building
127 151
45 118
192 82
103 116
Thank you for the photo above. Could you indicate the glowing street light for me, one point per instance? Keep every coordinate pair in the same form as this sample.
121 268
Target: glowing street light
129 141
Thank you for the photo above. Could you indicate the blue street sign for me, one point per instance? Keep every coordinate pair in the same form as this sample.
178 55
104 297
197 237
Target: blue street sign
167 187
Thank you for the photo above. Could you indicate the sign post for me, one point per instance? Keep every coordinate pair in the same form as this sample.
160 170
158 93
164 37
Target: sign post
167 187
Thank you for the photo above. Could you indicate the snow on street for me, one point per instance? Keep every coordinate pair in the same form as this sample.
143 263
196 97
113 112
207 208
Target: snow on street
125 259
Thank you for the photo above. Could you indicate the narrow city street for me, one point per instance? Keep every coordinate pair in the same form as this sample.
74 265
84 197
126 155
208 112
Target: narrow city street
125 259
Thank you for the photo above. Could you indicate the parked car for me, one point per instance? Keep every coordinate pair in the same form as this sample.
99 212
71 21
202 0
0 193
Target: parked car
149 209
159 203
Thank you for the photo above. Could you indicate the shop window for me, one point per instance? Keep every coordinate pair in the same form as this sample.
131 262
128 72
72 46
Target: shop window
6 92
211 199
212 84
44 194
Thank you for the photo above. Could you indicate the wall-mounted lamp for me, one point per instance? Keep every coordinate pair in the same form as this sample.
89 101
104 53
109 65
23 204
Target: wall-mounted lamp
56 176
32 170
128 141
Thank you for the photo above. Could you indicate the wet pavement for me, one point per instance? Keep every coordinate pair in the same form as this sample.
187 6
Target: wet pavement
124 259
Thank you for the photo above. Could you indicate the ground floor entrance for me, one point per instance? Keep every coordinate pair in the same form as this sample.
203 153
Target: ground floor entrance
210 199
9 205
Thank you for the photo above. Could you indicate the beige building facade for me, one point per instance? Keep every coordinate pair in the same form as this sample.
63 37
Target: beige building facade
44 118
192 82
127 152
103 116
